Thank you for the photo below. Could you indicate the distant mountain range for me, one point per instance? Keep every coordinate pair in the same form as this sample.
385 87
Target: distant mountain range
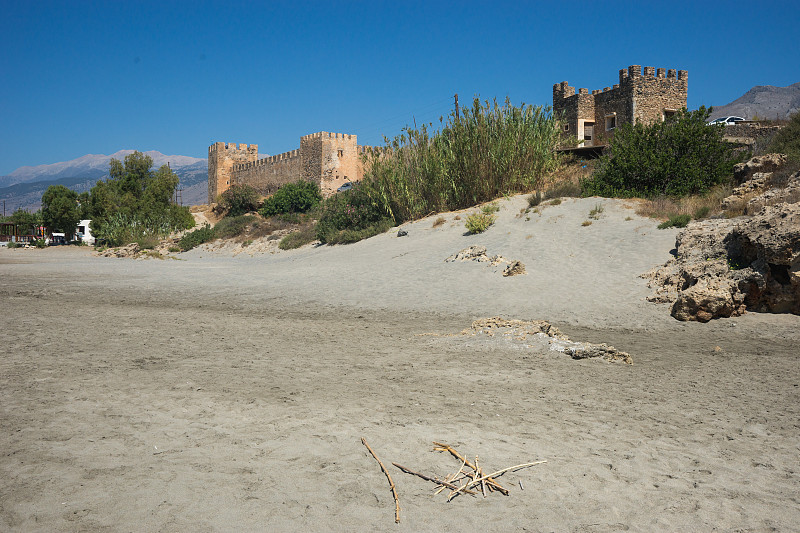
24 187
764 101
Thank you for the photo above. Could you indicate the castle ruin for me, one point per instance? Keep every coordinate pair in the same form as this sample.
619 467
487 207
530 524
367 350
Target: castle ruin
638 98
327 159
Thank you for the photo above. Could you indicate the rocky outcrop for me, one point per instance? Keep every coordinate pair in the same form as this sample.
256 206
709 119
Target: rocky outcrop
477 254
724 267
789 194
761 163
516 268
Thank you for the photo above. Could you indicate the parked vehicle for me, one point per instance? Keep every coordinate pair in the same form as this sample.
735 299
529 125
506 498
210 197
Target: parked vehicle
346 187
728 121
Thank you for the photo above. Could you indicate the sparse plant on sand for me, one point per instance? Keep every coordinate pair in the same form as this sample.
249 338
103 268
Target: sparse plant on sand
479 222
586 223
676 221
555 201
438 222
595 213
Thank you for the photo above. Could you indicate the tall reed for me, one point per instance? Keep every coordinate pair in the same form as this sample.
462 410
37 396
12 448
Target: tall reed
488 151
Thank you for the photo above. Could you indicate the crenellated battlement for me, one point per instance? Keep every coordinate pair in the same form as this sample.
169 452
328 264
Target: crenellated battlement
269 160
327 135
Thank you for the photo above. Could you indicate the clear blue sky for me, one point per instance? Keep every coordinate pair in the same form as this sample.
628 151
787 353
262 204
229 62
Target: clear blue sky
97 77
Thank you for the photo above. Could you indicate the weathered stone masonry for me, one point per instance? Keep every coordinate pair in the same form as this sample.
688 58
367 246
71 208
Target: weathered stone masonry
328 159
639 97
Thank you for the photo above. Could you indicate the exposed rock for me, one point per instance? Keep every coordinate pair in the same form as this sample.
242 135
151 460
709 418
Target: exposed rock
760 163
529 330
515 269
402 233
789 194
478 254
724 267
757 184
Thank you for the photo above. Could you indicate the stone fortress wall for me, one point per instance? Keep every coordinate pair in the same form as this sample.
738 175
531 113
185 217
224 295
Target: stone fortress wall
639 97
328 159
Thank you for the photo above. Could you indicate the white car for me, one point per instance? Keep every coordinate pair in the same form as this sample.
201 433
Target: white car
728 121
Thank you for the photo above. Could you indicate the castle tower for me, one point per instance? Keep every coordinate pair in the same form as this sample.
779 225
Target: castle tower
331 160
221 158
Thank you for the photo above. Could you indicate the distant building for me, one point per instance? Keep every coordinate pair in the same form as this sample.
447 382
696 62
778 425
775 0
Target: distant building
638 98
327 159
84 232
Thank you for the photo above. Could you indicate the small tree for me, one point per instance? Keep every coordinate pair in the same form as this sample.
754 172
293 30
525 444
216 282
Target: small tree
60 211
238 200
679 156
296 197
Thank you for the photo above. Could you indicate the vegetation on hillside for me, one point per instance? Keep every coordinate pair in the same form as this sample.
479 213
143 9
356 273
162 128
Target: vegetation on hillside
787 140
677 157
486 152
135 204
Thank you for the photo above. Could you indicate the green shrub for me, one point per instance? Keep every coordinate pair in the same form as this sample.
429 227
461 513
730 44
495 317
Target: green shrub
479 222
230 227
12 244
676 221
351 210
40 243
238 200
702 212
297 197
677 157
787 140
174 249
147 242
490 208
347 236
535 199
196 238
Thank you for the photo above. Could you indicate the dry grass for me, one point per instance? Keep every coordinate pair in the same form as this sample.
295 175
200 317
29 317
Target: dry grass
696 206
586 223
438 222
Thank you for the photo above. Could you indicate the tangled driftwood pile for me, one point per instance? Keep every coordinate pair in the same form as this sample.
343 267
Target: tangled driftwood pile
470 478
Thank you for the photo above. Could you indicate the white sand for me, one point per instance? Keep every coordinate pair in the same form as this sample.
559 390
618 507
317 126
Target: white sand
230 393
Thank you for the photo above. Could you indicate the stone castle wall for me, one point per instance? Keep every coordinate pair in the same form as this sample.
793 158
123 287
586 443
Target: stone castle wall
328 159
639 97
268 174
221 159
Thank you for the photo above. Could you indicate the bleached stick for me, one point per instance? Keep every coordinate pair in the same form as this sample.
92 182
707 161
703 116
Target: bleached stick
391 483
446 448
494 474
433 479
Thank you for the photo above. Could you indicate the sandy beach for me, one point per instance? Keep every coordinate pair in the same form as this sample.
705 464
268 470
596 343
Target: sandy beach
220 392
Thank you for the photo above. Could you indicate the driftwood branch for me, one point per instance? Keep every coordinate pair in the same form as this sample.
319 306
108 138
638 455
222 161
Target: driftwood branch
440 447
391 483
493 474
432 479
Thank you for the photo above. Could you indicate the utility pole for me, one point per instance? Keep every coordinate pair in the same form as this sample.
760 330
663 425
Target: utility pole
456 97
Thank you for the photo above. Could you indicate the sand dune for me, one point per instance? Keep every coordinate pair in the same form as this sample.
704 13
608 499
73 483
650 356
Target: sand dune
220 393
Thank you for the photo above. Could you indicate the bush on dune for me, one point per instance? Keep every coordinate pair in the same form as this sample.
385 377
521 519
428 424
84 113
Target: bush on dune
677 157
